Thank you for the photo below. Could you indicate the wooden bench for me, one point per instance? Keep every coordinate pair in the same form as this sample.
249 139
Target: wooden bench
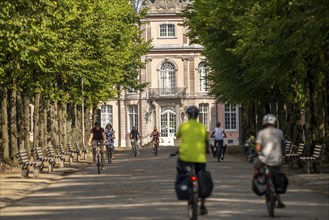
51 153
314 160
74 150
288 147
25 164
64 153
38 156
83 150
290 157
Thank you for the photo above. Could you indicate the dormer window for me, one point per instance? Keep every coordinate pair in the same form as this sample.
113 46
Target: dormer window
167 30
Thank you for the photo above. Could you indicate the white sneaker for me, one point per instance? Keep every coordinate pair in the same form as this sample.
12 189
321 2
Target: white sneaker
137 152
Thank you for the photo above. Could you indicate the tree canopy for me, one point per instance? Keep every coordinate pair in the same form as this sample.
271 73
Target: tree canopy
49 46
266 51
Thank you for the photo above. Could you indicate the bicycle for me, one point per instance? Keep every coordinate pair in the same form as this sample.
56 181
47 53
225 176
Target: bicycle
134 147
193 187
156 147
98 157
270 193
217 148
109 150
192 205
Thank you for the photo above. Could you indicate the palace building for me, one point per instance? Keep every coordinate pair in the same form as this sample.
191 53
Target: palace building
176 73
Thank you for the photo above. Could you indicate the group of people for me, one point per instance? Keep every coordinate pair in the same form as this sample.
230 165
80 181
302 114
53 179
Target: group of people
106 139
195 144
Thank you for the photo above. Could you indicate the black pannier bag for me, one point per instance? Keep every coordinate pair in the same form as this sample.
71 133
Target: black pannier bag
280 183
182 186
259 184
206 184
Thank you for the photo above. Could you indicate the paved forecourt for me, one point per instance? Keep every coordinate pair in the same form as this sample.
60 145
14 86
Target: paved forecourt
143 188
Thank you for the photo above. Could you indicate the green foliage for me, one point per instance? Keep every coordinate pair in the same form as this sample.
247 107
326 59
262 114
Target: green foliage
260 49
49 46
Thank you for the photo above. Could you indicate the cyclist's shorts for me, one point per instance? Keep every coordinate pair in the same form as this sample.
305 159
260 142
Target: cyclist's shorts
181 166
258 164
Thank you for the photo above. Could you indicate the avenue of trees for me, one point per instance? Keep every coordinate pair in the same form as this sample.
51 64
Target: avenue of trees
268 56
47 48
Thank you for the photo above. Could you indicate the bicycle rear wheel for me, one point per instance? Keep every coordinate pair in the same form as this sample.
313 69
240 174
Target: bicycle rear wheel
218 154
270 203
192 206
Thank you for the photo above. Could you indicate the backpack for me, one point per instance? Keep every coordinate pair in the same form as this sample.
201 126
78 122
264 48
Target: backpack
259 184
280 183
206 184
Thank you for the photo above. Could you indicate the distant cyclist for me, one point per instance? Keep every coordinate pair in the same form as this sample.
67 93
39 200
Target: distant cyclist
110 136
194 146
155 135
134 136
97 134
219 135
268 146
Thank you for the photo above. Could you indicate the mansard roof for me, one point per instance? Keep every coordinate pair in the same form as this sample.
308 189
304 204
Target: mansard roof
165 6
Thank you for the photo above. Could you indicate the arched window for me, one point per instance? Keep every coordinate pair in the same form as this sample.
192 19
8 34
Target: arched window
203 73
167 79
167 30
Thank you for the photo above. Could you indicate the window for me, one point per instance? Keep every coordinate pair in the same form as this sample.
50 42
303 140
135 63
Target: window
167 30
203 73
230 113
132 116
106 115
203 114
167 79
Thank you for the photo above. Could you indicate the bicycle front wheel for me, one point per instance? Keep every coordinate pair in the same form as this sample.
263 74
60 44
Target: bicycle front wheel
98 163
156 150
270 203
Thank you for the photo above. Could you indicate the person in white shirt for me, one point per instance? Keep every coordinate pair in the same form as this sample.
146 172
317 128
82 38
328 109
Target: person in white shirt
219 134
268 146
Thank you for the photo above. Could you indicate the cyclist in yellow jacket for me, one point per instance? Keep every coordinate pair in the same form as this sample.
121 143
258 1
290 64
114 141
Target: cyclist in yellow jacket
194 146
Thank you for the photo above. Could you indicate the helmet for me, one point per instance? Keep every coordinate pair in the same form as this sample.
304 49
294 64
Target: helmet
192 111
269 119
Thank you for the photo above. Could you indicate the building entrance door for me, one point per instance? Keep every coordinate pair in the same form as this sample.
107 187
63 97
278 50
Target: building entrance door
168 126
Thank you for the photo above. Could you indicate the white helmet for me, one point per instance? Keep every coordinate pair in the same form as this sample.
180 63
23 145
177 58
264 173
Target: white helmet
269 119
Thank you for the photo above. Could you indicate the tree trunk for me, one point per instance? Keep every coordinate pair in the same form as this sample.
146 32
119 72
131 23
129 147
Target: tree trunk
54 125
13 123
36 138
27 124
4 125
20 121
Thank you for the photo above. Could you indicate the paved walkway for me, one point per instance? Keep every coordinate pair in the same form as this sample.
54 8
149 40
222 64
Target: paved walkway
142 188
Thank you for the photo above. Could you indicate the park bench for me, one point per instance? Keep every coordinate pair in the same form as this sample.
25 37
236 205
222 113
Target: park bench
74 150
64 153
25 164
314 160
38 156
51 153
83 151
288 148
290 157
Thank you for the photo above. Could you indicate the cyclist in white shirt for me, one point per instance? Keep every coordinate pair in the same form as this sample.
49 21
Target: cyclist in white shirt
219 135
